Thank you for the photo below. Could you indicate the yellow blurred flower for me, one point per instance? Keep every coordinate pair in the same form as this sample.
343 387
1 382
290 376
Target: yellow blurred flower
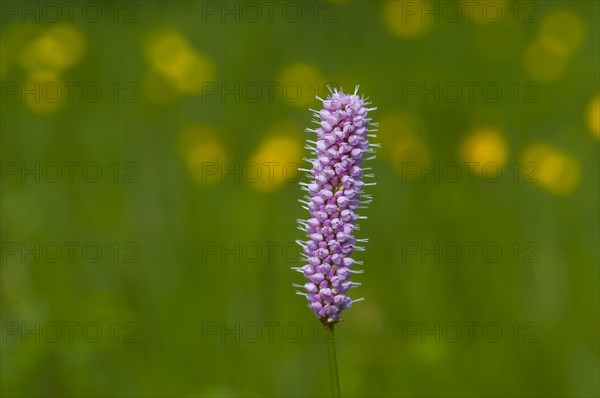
560 34
171 56
161 45
299 83
277 158
593 116
555 171
484 146
189 71
563 31
545 62
43 92
203 152
55 50
404 19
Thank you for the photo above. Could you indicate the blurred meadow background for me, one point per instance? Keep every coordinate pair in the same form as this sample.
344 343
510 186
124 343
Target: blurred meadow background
149 198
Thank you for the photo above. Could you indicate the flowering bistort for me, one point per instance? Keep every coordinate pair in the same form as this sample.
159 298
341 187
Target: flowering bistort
335 192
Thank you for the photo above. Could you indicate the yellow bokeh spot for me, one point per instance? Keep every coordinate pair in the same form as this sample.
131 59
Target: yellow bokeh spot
55 50
563 31
406 19
203 153
300 83
483 147
544 61
163 44
553 46
171 56
277 158
43 93
593 116
400 134
189 71
555 171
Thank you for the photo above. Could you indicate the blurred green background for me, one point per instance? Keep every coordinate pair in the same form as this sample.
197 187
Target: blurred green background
163 276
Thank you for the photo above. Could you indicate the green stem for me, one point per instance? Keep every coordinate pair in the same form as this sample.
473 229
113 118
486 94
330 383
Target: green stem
333 370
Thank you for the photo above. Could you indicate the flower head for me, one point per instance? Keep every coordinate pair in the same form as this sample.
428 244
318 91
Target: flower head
334 195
